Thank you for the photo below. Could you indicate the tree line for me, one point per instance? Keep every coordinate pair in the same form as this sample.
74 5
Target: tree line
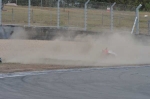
145 3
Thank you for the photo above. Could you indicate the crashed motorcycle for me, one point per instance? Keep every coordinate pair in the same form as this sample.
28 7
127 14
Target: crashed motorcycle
108 54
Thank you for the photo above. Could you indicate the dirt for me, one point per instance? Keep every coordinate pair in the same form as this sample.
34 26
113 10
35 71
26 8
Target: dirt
16 67
83 52
11 67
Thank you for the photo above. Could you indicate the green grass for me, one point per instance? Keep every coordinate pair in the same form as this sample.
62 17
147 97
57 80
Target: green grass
96 20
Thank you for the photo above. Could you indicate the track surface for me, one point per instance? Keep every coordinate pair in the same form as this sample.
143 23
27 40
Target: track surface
102 83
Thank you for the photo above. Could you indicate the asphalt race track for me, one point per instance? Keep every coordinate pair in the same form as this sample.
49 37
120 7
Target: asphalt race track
100 83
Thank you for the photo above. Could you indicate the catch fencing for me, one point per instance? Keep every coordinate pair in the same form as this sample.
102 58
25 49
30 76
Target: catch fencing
85 15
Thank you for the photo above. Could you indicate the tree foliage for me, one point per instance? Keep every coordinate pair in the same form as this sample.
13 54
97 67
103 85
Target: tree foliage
145 3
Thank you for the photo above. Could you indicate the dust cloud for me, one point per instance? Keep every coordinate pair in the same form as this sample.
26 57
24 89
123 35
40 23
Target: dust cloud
84 50
19 33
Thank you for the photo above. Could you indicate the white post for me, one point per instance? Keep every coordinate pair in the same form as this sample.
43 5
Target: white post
0 12
58 14
29 12
112 17
85 15
137 15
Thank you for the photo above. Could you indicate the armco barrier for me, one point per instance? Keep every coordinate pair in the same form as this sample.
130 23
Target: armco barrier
42 33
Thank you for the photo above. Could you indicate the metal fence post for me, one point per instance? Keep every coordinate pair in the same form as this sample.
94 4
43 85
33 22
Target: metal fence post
12 15
85 15
50 18
135 21
149 27
16 2
41 3
32 15
137 15
112 16
68 17
102 18
0 12
29 12
58 14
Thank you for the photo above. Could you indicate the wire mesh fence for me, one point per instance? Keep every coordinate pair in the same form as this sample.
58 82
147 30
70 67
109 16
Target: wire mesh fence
72 14
144 18
98 16
124 15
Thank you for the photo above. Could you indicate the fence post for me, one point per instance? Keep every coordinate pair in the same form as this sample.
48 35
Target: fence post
102 18
41 3
137 15
29 12
135 21
149 27
68 17
16 2
50 18
32 16
119 19
85 15
0 12
58 14
112 17
12 15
